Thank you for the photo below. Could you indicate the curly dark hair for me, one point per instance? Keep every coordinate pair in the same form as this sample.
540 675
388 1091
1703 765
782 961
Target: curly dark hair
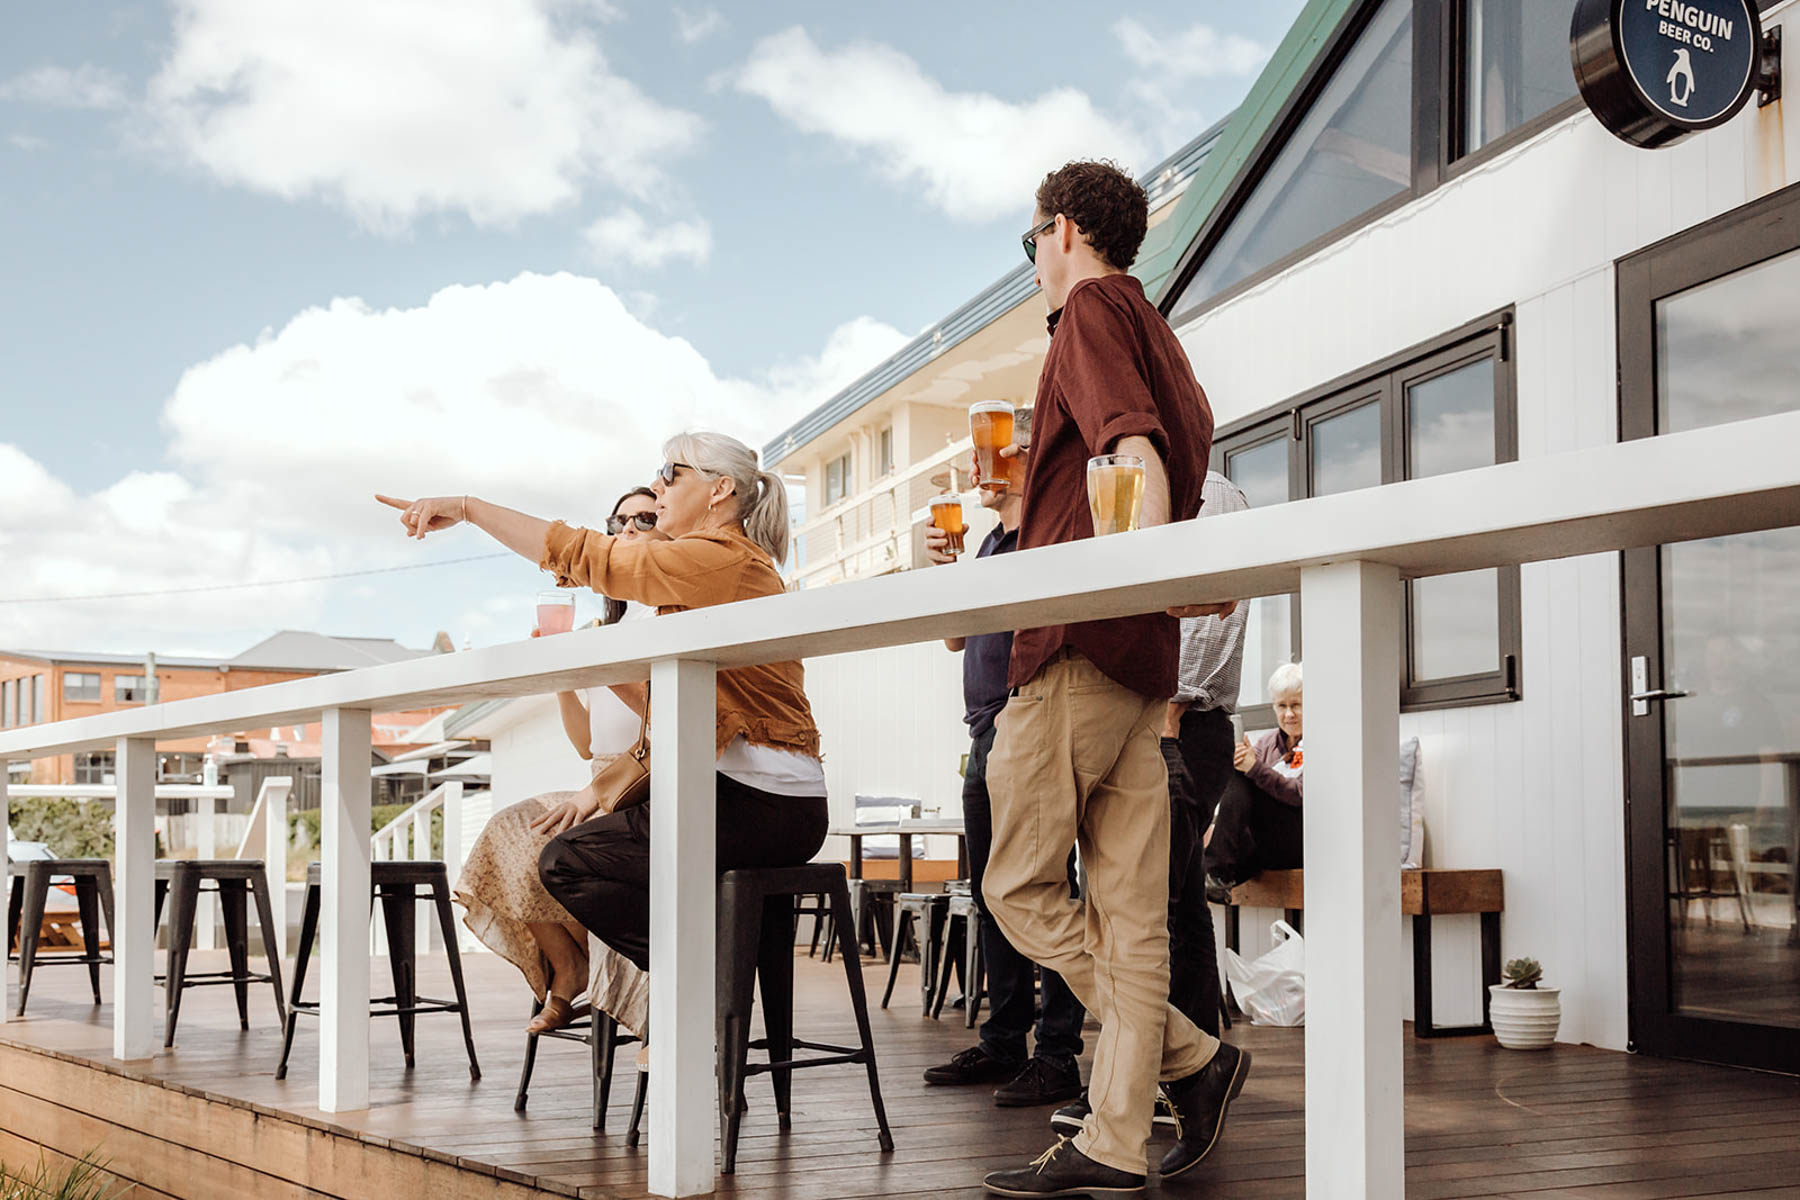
1104 202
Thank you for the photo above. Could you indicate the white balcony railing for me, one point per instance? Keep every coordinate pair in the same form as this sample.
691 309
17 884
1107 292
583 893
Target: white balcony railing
411 832
870 533
1346 554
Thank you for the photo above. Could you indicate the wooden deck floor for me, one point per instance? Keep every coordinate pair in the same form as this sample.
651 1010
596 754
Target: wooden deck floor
1572 1122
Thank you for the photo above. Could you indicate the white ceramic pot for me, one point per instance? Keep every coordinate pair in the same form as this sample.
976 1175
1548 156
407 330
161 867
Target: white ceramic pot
1525 1018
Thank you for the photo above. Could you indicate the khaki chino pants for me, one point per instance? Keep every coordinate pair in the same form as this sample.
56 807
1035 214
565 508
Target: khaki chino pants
1078 759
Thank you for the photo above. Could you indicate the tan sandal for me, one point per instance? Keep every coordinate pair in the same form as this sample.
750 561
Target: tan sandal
555 1014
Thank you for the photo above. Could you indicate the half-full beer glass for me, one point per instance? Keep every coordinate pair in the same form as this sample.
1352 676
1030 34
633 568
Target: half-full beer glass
947 515
1115 492
991 429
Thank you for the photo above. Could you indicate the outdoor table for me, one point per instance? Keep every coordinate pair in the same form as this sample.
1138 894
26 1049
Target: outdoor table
905 828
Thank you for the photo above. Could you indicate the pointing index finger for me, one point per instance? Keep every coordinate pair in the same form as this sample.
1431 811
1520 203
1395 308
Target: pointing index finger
393 503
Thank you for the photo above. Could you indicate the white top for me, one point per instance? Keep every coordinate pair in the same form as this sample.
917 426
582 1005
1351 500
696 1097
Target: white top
768 769
612 726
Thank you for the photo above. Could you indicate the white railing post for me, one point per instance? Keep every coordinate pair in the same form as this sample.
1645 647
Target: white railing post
206 846
274 802
421 850
683 796
134 860
344 924
6 881
1355 1132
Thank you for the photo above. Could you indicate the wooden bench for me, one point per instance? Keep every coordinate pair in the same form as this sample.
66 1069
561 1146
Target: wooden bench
1424 894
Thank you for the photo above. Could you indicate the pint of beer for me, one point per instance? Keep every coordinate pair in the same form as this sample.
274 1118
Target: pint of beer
947 515
991 429
1115 492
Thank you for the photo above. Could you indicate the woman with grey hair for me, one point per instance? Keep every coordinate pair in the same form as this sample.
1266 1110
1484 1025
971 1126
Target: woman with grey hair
1260 822
727 525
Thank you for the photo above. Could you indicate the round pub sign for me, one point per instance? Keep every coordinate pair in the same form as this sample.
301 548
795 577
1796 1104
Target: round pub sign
1658 71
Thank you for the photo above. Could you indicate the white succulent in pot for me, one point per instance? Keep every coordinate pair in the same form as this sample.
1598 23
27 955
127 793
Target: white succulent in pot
1524 1012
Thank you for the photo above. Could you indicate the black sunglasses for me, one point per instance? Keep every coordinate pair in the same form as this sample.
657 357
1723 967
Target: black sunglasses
645 521
1030 240
666 472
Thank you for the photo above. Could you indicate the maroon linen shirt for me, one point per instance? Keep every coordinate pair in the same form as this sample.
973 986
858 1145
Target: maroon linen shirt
1114 370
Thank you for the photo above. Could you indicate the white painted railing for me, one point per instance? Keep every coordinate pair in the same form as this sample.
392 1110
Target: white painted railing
412 829
870 533
1346 554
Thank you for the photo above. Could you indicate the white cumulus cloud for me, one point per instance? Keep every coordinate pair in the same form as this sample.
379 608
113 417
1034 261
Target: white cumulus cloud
626 237
495 109
1190 77
697 25
86 86
972 155
543 392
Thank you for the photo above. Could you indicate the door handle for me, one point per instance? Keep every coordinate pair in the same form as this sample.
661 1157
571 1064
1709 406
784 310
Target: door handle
1657 694
1642 694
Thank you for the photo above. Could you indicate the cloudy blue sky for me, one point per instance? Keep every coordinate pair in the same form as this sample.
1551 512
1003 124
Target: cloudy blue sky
258 260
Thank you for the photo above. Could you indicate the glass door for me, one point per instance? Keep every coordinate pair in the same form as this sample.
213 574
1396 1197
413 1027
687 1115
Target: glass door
1712 655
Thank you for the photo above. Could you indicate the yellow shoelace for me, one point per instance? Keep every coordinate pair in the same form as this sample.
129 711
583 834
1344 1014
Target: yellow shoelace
1043 1160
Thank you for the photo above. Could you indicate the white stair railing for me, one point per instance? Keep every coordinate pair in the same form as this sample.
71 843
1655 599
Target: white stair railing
411 830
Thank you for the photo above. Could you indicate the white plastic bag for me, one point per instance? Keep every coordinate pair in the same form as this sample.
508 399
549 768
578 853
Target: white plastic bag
1272 987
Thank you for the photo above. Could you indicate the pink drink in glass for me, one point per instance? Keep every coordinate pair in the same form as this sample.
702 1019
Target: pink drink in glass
555 613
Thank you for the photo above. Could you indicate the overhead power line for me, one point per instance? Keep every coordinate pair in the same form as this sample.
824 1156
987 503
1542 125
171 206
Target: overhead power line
265 583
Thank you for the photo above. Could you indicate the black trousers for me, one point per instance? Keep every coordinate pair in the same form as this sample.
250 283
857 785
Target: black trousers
1199 763
1254 833
600 870
1011 977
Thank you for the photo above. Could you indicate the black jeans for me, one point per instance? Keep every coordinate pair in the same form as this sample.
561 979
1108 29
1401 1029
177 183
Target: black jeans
1011 1000
1199 765
1254 833
600 870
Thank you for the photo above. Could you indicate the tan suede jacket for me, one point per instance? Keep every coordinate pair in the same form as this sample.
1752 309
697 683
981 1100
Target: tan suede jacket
767 703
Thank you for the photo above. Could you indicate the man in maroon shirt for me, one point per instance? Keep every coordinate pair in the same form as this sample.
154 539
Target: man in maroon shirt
1077 755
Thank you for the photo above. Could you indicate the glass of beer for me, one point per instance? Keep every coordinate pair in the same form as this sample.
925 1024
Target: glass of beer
555 613
991 429
1115 492
947 515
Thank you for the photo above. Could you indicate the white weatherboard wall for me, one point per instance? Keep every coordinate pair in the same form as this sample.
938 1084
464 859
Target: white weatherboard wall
1535 787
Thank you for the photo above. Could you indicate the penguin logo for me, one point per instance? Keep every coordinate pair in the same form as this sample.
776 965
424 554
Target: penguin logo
1681 79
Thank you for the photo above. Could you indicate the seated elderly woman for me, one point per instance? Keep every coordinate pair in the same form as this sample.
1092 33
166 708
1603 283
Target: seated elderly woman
727 524
1260 817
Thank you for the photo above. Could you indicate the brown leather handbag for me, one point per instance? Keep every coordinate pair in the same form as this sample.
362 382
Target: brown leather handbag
625 781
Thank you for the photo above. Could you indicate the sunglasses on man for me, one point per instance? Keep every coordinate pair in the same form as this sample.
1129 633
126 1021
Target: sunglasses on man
645 521
1030 240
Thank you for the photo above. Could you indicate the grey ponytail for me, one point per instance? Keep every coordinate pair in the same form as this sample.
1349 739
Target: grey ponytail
762 495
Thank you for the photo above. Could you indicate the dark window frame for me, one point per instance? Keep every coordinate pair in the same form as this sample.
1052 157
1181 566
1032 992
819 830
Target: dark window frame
1385 382
1438 135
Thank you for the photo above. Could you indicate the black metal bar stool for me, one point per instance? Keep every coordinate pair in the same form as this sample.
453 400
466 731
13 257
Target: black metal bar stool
31 882
756 941
960 948
235 881
601 1034
918 917
394 886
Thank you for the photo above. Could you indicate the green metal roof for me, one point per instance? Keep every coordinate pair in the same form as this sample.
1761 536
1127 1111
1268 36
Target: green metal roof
1309 36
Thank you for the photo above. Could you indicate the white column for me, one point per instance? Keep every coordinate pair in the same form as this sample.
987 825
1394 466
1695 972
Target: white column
206 846
134 874
683 1106
344 913
275 842
1355 1132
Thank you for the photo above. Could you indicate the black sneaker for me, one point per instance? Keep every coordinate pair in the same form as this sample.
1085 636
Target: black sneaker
1062 1170
1040 1082
1199 1103
973 1065
1070 1118
1217 890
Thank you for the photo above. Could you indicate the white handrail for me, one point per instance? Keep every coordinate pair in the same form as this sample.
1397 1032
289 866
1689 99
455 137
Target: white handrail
1347 554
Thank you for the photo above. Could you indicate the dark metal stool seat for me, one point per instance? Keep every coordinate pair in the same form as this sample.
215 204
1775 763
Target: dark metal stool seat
600 1033
31 882
918 916
756 941
395 887
235 881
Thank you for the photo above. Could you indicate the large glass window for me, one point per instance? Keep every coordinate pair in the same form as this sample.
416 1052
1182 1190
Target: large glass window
37 691
94 767
1352 151
1515 65
1726 350
131 689
8 690
81 687
837 479
1442 407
